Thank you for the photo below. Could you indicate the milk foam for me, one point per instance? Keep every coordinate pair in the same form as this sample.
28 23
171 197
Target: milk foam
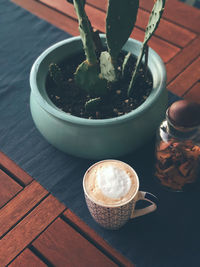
110 182
113 182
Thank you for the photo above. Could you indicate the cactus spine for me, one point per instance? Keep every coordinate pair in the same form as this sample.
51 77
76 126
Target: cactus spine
154 20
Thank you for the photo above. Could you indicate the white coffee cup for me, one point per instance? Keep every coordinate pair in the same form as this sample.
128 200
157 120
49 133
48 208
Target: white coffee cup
112 209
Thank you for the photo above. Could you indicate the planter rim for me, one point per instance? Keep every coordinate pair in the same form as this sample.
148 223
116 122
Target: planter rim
58 113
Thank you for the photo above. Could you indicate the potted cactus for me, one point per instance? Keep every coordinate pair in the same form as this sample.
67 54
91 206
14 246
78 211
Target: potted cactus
99 77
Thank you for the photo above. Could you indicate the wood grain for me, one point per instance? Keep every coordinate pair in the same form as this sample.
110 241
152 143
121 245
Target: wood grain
19 206
27 258
97 17
63 246
91 234
8 188
167 30
183 59
186 79
20 174
28 229
31 217
165 50
98 4
179 13
56 18
194 93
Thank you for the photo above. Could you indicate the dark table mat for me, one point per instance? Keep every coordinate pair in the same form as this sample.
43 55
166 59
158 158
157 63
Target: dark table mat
168 237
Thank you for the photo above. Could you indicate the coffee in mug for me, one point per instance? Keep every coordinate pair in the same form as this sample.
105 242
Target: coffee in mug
111 190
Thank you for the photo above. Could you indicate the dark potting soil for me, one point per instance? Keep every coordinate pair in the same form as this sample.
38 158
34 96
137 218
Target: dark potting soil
72 99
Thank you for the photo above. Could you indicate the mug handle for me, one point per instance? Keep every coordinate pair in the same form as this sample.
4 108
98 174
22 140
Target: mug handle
141 212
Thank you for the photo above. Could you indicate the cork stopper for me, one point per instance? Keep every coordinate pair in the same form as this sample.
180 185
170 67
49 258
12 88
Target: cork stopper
183 113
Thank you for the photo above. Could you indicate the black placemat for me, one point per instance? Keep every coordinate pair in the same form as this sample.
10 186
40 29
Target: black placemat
168 237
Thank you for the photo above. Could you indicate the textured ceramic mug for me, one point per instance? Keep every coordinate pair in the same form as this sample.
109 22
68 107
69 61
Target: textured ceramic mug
115 216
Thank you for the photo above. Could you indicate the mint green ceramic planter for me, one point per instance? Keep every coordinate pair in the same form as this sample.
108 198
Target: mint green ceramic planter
95 139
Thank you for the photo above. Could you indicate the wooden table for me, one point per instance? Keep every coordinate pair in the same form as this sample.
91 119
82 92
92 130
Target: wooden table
35 228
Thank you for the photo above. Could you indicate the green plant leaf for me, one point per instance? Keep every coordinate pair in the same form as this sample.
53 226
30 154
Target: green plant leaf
120 20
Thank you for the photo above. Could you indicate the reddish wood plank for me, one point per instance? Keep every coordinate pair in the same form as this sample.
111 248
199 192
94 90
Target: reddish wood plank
27 258
97 17
194 93
178 13
8 188
63 246
13 168
165 50
59 20
183 59
186 79
166 30
99 4
84 228
29 228
19 206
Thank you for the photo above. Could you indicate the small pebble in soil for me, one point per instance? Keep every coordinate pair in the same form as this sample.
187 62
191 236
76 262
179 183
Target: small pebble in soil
118 92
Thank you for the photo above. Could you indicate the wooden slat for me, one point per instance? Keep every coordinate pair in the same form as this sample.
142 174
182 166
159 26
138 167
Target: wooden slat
99 4
175 11
19 206
61 21
13 168
165 50
178 13
63 246
97 17
27 258
166 30
194 93
90 233
29 228
8 188
183 59
186 79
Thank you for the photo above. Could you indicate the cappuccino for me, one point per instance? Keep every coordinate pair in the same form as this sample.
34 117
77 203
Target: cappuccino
111 183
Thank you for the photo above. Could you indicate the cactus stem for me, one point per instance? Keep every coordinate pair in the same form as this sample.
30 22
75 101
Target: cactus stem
146 54
86 32
153 23
138 63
